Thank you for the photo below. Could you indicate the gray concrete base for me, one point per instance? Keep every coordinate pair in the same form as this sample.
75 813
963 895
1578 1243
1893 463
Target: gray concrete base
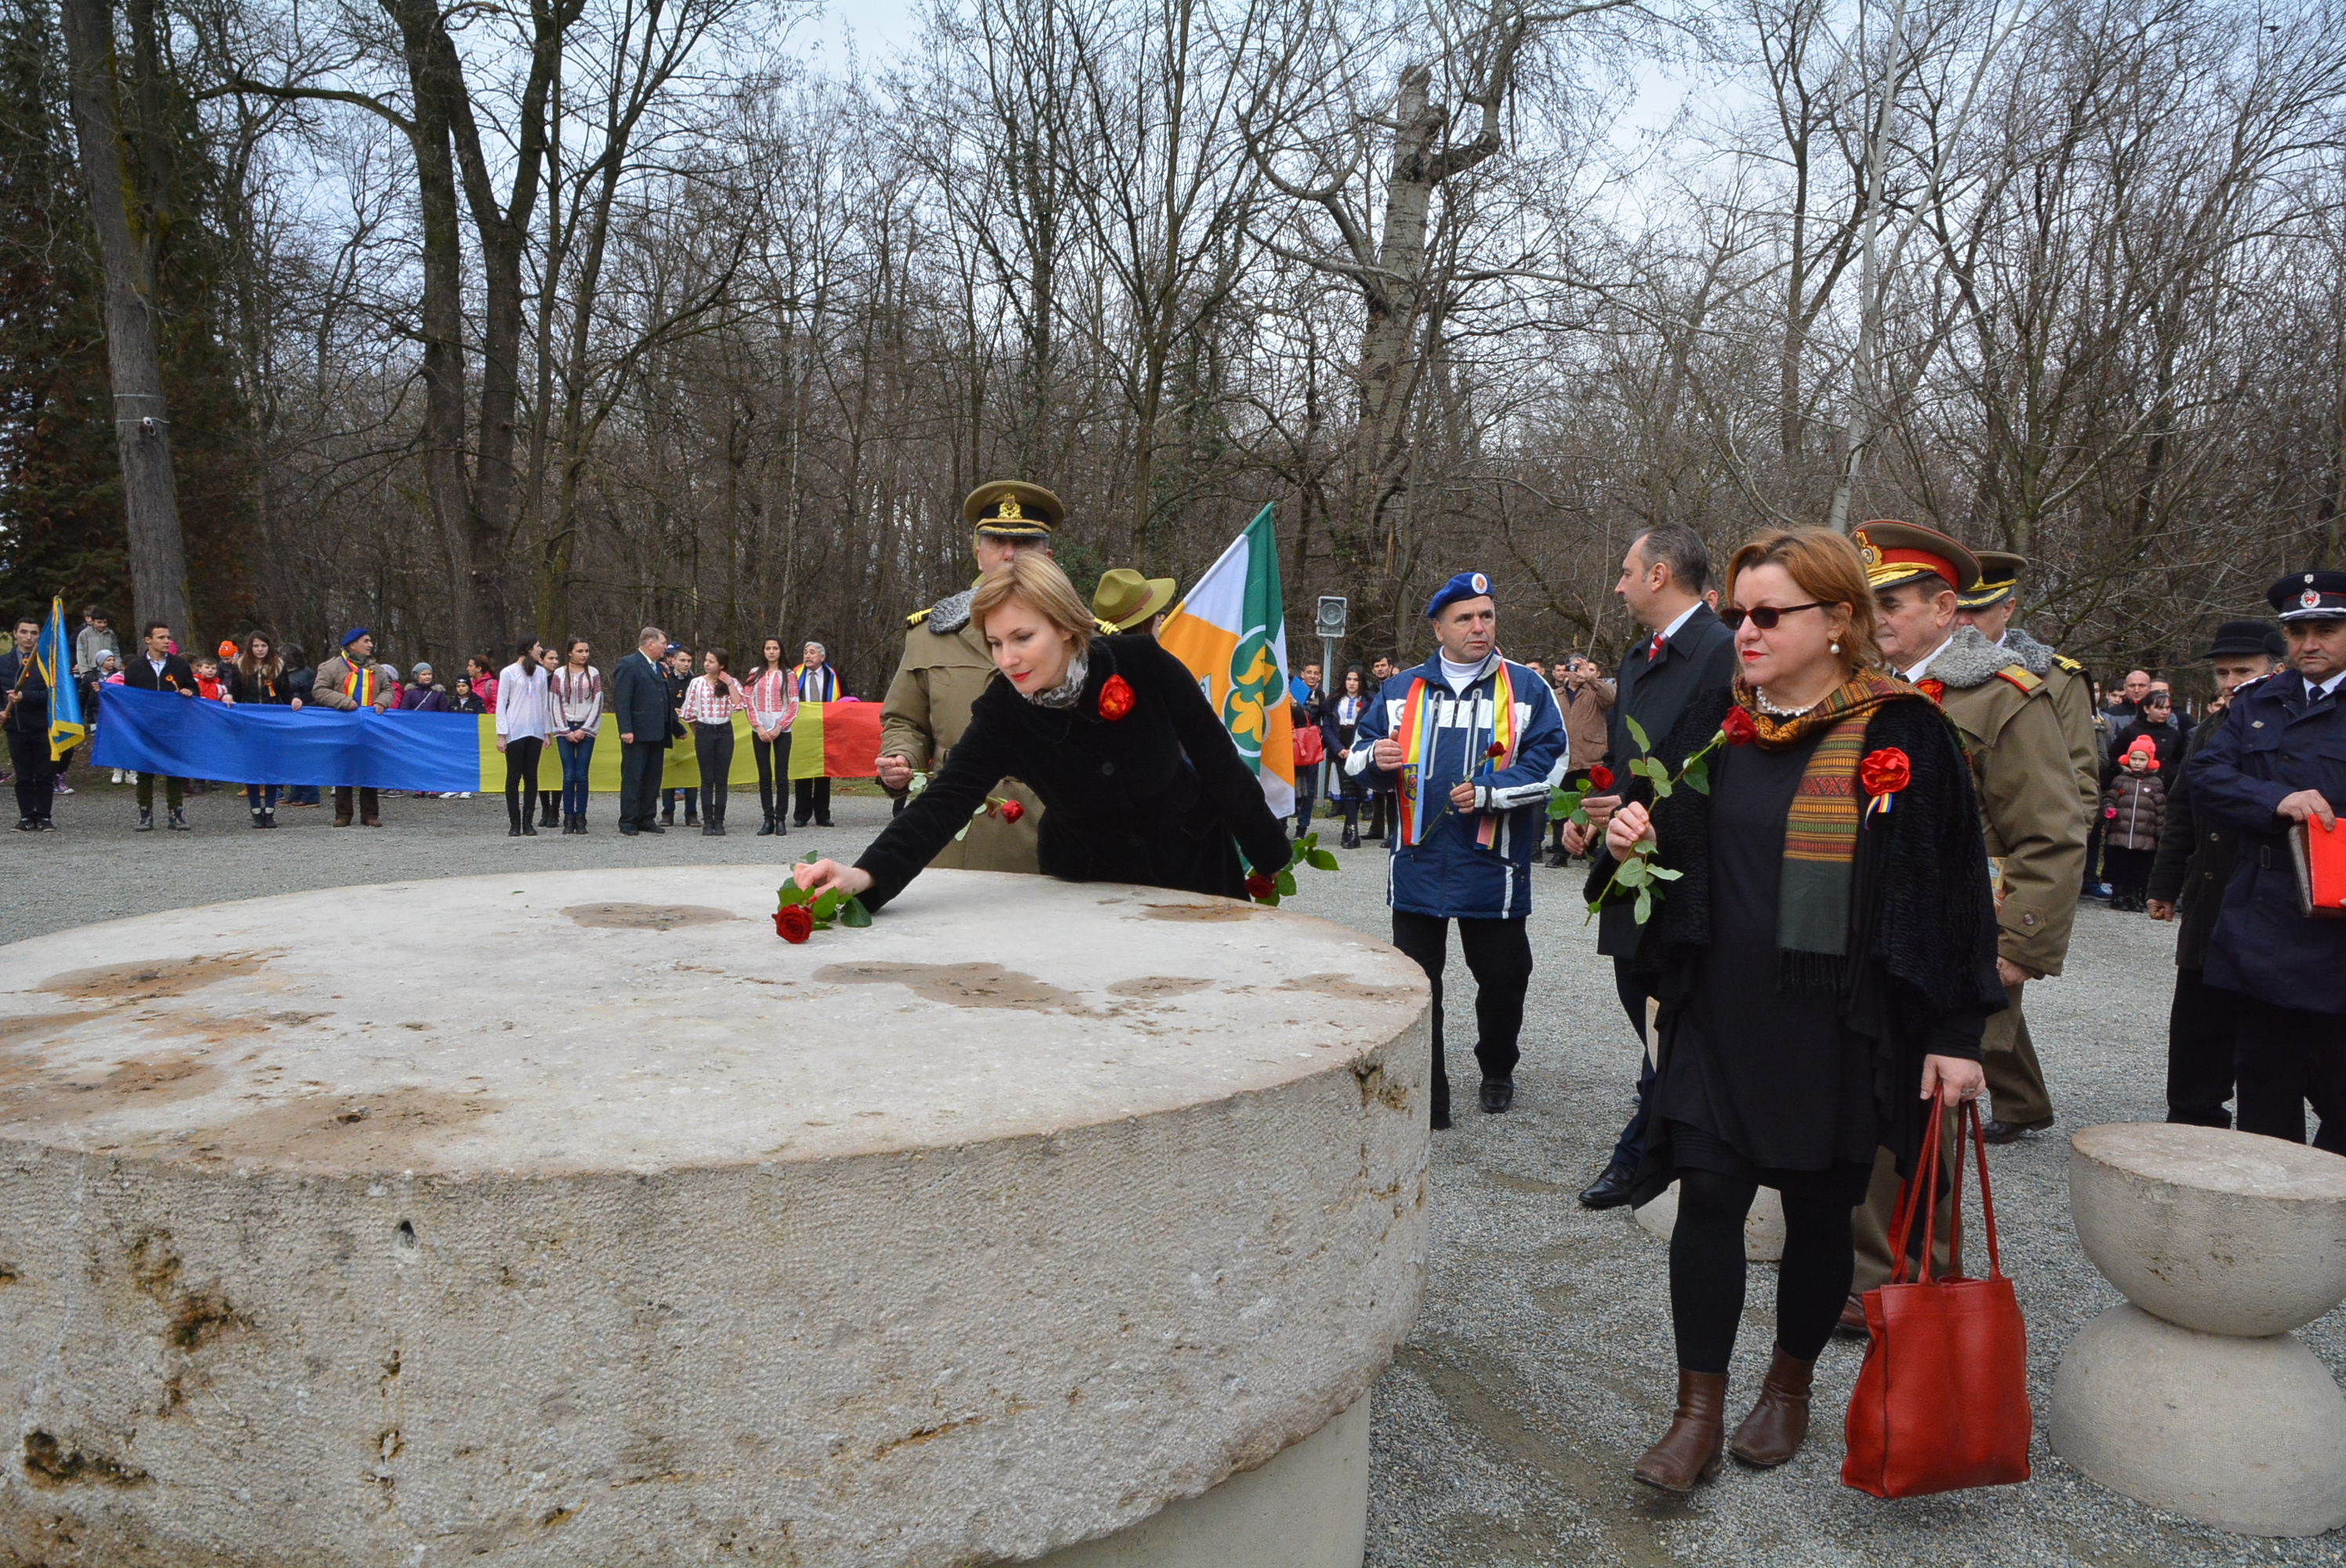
1308 1508
2247 1435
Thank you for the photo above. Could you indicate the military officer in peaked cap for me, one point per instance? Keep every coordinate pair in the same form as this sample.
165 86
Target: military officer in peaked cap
2278 765
1990 605
2032 814
945 666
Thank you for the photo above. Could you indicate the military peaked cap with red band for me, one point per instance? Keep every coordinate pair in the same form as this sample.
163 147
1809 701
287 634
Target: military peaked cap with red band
1898 553
2309 596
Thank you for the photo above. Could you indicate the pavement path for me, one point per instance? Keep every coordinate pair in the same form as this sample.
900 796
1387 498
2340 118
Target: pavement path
1542 1364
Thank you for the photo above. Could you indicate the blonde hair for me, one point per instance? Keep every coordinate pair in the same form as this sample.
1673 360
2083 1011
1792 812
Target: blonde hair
1829 570
1032 578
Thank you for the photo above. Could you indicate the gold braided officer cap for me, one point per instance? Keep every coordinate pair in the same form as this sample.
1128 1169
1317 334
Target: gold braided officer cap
1896 554
1012 509
1126 599
1999 576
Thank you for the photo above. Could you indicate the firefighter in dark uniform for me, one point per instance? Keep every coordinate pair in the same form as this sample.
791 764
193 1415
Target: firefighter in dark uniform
2278 765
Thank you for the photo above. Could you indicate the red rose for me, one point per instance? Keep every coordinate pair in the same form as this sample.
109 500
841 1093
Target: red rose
795 922
1115 698
1739 727
1260 887
1494 749
1600 776
1886 771
1012 811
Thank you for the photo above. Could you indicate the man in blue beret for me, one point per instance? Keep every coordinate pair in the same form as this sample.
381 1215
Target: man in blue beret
1471 744
2278 769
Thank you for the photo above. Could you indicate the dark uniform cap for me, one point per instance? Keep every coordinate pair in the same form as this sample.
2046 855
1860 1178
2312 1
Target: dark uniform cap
1999 576
1896 554
2247 638
2309 596
1012 509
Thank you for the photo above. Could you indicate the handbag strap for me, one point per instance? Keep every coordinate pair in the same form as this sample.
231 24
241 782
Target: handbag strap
1987 1200
1921 1186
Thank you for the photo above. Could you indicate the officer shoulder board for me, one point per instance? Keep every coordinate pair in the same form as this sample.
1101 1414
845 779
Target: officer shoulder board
1105 628
917 616
2066 662
2018 676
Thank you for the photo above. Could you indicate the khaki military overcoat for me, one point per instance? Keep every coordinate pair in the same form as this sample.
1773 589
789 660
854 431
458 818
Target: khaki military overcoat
945 666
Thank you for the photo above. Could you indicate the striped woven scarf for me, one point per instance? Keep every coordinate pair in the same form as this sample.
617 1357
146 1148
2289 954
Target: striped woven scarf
1821 833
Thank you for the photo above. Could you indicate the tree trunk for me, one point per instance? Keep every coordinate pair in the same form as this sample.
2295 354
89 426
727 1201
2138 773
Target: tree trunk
142 425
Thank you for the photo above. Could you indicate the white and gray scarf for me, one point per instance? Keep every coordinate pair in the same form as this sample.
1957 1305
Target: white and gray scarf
1068 692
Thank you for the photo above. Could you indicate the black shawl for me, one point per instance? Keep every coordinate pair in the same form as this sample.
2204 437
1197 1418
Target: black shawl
1922 939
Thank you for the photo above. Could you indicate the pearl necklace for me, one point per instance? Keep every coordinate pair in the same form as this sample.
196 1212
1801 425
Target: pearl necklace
1772 711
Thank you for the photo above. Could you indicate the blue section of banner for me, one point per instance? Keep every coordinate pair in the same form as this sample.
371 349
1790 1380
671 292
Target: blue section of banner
188 737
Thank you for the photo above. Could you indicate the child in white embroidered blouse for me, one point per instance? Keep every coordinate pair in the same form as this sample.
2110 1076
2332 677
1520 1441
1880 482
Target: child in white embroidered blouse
709 704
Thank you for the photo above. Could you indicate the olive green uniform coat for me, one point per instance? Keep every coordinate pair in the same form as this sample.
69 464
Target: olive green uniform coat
944 667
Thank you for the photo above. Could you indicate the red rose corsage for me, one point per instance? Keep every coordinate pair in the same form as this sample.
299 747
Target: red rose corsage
1933 687
1882 775
1739 727
1115 698
795 922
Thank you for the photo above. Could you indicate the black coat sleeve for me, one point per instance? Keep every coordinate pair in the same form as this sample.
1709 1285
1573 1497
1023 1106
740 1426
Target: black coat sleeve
1228 781
979 760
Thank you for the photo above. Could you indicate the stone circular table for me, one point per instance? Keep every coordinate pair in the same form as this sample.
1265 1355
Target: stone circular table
575 1219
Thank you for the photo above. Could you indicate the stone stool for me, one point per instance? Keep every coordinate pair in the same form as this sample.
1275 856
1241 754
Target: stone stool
575 1219
2196 1397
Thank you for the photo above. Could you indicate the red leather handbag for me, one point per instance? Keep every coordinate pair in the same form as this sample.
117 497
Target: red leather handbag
1942 1402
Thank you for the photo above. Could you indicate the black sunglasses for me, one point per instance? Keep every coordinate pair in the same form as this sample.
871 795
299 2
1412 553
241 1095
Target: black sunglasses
1765 617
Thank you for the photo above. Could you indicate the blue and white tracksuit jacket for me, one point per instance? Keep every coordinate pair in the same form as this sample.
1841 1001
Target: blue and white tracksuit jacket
1449 874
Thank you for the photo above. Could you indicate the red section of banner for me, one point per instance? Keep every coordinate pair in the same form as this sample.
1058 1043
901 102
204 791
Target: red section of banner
851 739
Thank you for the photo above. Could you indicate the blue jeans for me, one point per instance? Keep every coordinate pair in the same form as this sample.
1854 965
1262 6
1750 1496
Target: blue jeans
260 797
575 755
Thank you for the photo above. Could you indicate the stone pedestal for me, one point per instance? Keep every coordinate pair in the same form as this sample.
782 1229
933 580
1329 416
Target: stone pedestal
2197 1397
575 1218
1763 1228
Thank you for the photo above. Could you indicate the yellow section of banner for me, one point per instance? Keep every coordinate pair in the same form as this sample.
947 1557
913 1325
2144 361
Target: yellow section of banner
680 770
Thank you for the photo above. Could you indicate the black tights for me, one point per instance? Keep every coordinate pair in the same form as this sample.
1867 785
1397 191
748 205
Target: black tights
1707 1270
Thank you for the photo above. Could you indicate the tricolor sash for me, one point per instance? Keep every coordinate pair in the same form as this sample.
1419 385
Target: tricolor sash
359 684
1417 735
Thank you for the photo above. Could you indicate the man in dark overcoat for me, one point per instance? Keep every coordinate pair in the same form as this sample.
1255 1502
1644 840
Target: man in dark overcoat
639 708
2188 879
2276 770
1682 648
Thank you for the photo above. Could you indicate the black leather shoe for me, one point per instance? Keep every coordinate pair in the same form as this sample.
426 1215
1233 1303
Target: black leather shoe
628 830
652 827
1498 1093
1610 1190
2010 1133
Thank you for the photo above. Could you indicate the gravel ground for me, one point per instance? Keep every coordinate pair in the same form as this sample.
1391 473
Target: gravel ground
1542 1365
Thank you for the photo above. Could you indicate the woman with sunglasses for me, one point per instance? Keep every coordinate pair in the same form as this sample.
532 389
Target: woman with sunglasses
1825 962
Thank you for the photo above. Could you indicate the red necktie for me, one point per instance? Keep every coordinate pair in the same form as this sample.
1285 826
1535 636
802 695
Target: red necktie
1653 650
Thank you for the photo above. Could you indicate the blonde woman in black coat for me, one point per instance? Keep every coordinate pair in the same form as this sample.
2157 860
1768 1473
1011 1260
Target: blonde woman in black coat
1140 781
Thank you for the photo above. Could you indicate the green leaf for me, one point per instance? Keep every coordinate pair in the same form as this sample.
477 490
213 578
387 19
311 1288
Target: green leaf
1295 855
1697 777
1580 818
1310 840
1285 882
853 915
827 905
1632 874
1663 873
1662 787
963 834
1645 905
1323 860
792 893
1637 732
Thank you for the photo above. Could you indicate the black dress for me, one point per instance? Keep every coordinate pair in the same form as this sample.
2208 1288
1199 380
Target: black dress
1159 796
1758 1085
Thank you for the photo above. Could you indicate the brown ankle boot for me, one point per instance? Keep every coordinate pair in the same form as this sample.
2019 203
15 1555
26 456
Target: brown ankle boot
1771 1433
1690 1452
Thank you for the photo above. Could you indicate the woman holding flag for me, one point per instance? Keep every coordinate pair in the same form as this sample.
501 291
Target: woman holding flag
1140 781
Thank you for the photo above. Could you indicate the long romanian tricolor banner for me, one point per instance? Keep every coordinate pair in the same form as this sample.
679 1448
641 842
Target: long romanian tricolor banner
1231 631
187 737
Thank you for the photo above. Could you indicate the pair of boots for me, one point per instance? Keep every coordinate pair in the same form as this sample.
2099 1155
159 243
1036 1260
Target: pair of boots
548 805
264 817
777 823
713 820
692 817
178 824
573 822
1691 1451
521 818
1352 839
